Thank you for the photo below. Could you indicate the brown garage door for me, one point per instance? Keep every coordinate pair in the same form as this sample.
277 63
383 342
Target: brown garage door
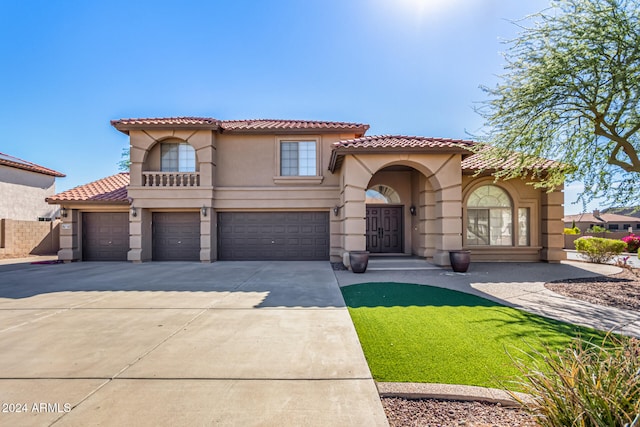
105 236
273 235
176 236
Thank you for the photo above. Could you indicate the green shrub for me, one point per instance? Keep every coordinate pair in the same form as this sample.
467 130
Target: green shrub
598 249
574 230
598 229
586 385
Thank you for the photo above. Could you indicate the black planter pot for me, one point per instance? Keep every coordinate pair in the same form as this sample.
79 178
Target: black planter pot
358 261
460 260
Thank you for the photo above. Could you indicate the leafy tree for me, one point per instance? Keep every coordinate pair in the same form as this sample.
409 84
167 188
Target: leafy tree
125 162
571 92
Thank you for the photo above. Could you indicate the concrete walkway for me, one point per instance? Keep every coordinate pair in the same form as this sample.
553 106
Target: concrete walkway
181 344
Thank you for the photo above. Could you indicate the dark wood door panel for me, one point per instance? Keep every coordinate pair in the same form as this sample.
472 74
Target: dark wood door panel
384 229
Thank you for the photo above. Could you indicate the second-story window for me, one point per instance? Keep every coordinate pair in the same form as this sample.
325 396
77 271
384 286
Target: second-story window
178 157
298 158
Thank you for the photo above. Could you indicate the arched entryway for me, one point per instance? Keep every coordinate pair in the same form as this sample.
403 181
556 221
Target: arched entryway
400 212
429 189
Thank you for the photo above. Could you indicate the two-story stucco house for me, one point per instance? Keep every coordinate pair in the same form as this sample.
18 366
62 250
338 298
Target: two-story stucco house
206 189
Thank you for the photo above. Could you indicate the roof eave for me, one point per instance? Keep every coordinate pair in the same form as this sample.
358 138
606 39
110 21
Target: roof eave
126 127
53 201
358 132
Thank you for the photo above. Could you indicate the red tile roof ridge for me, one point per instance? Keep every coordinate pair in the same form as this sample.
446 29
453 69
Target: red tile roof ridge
165 120
289 121
16 162
408 137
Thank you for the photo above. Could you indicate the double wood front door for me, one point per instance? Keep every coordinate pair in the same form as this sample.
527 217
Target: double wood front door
384 229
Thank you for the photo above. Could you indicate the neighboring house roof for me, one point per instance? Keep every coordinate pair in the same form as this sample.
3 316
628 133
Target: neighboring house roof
396 144
583 217
480 161
112 189
602 218
14 162
257 125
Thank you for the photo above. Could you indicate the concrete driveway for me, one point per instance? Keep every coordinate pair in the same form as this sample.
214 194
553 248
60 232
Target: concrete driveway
229 343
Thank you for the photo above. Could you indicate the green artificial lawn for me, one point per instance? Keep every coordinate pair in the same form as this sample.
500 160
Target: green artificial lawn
414 333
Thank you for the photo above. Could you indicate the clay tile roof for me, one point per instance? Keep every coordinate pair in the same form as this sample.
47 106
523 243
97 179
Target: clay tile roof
258 125
479 161
124 125
396 144
583 217
401 141
14 162
300 125
110 189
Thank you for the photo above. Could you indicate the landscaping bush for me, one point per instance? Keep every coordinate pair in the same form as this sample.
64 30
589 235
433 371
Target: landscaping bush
598 249
574 230
598 229
586 385
632 241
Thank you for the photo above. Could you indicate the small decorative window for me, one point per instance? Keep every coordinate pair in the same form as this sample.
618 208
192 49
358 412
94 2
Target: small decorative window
383 195
178 157
298 158
490 217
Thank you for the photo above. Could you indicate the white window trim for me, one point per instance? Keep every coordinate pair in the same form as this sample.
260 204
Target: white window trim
298 180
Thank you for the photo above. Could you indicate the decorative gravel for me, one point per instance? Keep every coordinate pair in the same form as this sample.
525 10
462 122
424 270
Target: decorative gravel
621 290
431 412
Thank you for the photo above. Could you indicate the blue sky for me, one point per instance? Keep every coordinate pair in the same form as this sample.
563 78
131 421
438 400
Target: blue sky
410 67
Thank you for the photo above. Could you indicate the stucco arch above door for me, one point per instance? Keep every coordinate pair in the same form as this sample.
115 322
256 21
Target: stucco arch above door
441 170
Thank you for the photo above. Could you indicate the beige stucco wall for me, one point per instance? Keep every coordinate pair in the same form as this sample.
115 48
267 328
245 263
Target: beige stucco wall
256 160
23 194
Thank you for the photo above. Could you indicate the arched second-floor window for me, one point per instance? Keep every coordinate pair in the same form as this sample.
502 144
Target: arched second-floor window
177 157
489 217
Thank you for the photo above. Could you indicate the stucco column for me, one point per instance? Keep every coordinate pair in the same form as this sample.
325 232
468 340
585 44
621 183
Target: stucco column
552 226
207 235
140 236
69 241
448 223
448 211
355 178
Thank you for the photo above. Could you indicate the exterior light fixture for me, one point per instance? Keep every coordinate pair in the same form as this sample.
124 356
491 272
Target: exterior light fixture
203 210
412 210
134 211
336 210
63 212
